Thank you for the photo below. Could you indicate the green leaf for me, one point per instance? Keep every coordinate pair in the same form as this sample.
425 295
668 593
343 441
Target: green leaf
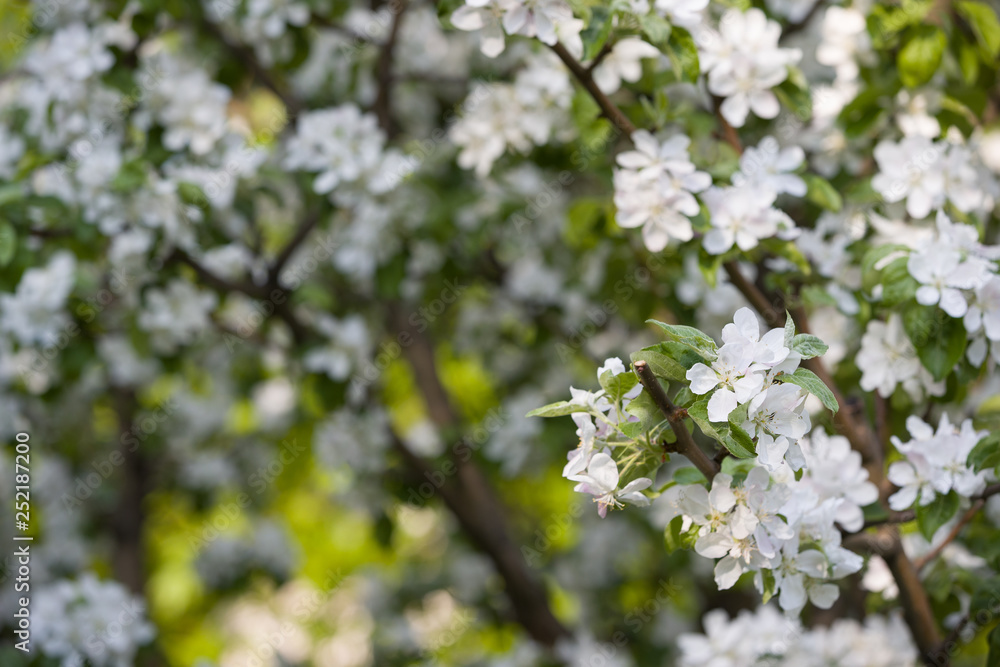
8 242
656 28
986 453
767 577
921 55
808 346
721 431
993 657
617 386
689 475
811 383
674 538
986 597
693 338
822 193
789 329
934 515
596 34
11 192
683 55
558 409
742 438
938 338
985 25
662 365
643 407
794 94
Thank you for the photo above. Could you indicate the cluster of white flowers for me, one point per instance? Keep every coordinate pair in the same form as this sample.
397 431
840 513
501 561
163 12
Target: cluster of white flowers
623 63
927 174
92 621
743 62
176 315
593 468
349 439
767 638
783 530
186 102
228 559
746 371
34 313
345 146
654 186
887 359
348 344
935 463
550 21
499 117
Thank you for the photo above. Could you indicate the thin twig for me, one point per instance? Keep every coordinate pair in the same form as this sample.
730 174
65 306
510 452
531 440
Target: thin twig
685 444
922 562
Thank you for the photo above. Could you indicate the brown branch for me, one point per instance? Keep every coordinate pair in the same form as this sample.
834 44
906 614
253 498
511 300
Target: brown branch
909 515
922 562
601 55
281 305
128 558
383 74
470 496
608 108
685 444
301 234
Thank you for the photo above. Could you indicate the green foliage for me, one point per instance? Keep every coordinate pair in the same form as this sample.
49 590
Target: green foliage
986 453
938 512
808 346
810 382
557 409
938 338
596 34
823 194
986 26
921 55
690 337
739 445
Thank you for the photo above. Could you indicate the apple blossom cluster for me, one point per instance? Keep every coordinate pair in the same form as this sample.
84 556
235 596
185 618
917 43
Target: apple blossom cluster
34 313
782 530
499 117
228 559
887 360
345 146
655 187
766 638
936 463
758 372
88 620
926 174
550 21
743 62
595 471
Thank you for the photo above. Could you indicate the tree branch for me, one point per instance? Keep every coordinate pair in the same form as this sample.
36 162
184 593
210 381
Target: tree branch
608 108
922 562
383 74
685 444
471 498
301 234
